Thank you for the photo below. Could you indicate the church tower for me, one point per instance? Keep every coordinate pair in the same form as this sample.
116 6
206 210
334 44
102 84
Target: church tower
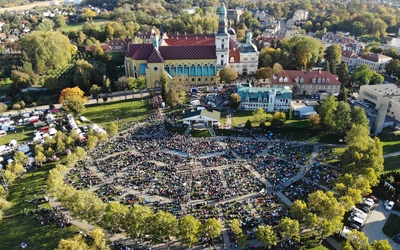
222 38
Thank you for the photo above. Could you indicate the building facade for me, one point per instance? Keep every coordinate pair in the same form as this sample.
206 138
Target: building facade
193 58
377 94
269 99
308 82
376 62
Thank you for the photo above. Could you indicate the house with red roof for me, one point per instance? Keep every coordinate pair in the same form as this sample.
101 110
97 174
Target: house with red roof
376 62
194 58
309 82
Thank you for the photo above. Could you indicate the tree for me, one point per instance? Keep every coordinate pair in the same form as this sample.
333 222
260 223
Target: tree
126 83
189 230
112 129
55 55
228 74
136 222
114 216
314 121
172 98
92 141
141 85
259 115
359 117
308 26
278 119
95 92
80 153
60 21
393 68
267 236
343 73
76 243
40 157
46 25
299 210
289 229
242 240
20 80
362 75
357 240
263 73
248 124
236 227
381 245
212 227
3 107
235 100
333 56
73 100
83 74
342 117
162 226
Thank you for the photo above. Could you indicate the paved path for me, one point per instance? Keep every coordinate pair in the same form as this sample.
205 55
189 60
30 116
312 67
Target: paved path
391 154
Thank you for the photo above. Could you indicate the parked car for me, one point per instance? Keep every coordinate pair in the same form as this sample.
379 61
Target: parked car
389 205
397 239
346 230
352 225
356 220
368 201
363 207
376 200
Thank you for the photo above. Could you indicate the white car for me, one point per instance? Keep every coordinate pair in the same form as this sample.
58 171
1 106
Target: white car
368 201
359 215
389 205
346 230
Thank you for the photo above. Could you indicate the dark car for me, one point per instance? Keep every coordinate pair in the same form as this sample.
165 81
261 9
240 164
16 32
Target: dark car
397 238
376 200
354 226
363 208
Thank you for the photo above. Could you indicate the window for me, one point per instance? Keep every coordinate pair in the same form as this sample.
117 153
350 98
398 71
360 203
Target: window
155 68
192 79
199 79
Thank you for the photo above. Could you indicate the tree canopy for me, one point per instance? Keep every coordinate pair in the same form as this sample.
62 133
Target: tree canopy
46 50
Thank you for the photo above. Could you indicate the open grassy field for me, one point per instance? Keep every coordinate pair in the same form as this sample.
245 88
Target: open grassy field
125 111
392 163
17 226
79 26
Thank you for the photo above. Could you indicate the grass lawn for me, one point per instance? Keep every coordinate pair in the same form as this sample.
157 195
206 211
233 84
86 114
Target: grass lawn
335 156
125 110
321 247
79 26
392 226
392 163
390 140
19 136
200 133
16 226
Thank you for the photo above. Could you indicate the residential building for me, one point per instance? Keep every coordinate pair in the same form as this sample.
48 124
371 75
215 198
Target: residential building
308 82
345 42
269 99
194 58
377 94
376 62
349 57
235 14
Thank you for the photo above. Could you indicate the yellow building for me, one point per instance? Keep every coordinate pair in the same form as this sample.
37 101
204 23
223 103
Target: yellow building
193 58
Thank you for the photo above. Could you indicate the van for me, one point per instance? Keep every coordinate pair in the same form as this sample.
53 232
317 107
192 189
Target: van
356 220
3 133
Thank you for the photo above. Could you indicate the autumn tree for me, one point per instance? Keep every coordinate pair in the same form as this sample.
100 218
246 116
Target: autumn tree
136 221
95 92
228 74
263 73
289 229
73 100
278 119
235 100
212 227
314 121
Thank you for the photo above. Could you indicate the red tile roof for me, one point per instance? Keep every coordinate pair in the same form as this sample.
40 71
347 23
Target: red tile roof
155 57
188 52
186 41
349 54
374 57
234 51
139 51
307 76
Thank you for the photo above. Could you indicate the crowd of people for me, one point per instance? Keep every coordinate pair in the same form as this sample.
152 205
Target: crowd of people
205 178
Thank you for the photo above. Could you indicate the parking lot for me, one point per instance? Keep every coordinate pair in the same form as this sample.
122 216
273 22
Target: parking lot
375 222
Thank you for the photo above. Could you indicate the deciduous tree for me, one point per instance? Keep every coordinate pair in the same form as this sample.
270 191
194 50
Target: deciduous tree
189 230
228 74
267 236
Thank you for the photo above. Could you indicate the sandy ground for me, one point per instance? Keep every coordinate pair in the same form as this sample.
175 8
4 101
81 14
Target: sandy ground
29 6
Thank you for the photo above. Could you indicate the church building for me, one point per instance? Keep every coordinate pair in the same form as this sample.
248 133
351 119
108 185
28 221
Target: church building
193 58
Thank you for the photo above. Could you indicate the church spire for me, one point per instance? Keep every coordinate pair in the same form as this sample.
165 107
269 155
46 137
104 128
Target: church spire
222 23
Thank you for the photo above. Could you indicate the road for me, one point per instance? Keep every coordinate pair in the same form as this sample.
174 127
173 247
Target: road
29 6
